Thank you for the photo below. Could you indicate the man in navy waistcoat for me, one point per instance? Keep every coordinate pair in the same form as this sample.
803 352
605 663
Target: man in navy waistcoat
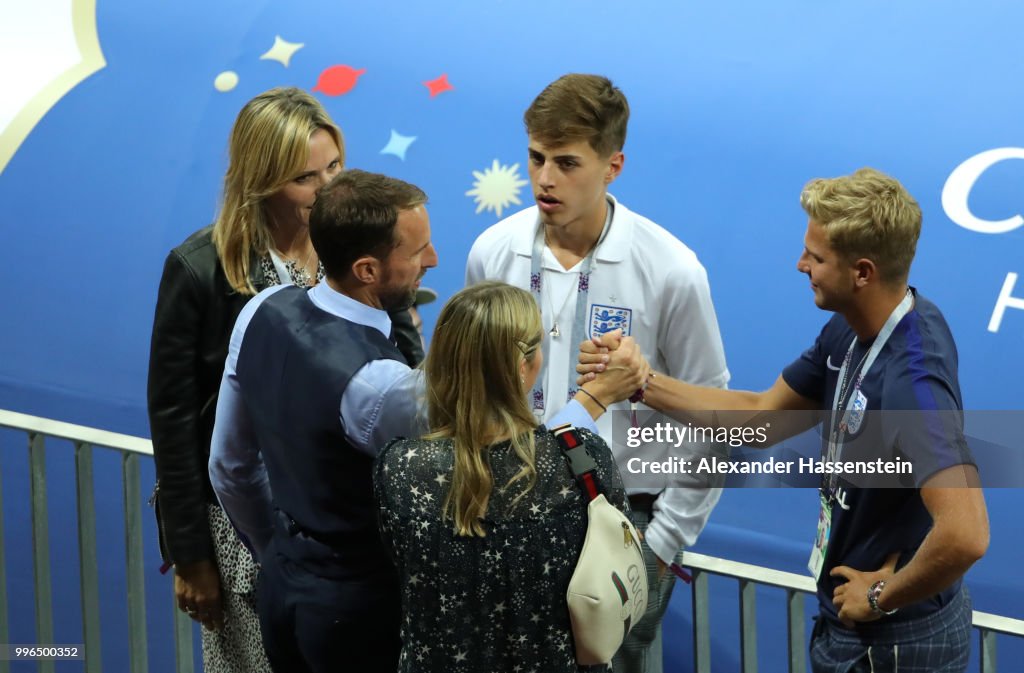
299 424
313 388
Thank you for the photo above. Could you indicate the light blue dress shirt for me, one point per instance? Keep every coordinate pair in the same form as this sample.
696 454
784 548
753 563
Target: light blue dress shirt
383 400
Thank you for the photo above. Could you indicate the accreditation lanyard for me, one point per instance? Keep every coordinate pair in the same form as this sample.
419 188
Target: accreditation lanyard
838 425
849 407
579 322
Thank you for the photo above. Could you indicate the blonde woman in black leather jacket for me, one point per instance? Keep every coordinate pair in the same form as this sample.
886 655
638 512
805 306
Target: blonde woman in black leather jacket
283 148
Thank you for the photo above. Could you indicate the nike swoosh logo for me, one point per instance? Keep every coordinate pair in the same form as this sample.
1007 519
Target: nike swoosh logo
828 363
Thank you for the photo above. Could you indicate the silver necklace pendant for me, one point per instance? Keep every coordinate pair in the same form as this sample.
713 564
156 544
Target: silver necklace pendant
554 331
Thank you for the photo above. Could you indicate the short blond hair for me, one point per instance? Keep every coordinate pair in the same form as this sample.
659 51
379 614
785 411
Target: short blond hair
867 215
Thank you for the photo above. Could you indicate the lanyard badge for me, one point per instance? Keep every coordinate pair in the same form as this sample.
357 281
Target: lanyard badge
581 291
849 406
818 552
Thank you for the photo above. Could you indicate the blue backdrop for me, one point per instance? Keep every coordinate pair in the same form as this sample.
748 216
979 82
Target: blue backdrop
736 104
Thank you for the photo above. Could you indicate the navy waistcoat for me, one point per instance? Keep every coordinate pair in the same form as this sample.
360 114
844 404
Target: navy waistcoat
293 367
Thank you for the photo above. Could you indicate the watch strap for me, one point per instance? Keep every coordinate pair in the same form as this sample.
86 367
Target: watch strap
874 591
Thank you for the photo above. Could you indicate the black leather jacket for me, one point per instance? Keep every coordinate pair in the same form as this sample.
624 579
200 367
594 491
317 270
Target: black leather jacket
196 310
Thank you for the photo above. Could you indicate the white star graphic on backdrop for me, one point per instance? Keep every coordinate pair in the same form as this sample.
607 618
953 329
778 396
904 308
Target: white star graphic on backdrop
398 145
282 51
496 188
411 453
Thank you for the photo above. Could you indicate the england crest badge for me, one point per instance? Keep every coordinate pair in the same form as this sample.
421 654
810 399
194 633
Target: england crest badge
607 318
856 416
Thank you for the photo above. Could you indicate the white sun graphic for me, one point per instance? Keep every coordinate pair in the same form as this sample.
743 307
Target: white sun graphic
496 188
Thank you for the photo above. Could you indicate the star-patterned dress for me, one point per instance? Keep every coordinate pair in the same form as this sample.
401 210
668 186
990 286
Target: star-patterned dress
493 603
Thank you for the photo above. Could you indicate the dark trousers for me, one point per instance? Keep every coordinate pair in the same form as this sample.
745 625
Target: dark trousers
316 624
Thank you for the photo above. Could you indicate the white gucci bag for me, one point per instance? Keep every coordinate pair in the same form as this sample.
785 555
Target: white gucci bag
607 594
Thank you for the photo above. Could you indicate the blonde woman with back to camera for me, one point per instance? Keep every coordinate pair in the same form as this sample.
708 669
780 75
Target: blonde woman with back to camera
482 514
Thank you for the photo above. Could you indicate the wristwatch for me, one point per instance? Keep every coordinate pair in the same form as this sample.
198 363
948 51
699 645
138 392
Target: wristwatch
873 593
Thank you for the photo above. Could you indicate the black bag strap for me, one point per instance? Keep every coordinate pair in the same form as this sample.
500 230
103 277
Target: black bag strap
581 463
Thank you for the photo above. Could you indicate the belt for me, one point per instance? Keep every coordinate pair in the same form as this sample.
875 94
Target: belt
642 501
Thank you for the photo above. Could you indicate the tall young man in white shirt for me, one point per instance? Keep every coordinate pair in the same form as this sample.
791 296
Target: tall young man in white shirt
595 266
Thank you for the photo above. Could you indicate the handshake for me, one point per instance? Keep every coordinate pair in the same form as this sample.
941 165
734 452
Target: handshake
611 369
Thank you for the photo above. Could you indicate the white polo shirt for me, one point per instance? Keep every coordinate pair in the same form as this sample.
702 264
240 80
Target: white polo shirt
656 289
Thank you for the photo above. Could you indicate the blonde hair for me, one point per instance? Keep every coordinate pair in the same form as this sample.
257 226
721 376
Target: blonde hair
867 215
269 146
475 392
580 107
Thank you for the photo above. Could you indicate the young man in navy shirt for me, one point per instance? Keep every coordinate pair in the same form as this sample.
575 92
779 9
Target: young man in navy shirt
888 561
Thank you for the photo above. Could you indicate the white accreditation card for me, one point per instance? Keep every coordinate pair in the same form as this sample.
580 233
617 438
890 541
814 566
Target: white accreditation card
817 560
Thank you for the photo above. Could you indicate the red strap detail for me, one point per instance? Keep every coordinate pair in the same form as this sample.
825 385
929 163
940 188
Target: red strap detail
680 573
569 439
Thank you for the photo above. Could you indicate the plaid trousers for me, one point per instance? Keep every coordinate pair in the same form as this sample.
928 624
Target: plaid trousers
937 643
641 651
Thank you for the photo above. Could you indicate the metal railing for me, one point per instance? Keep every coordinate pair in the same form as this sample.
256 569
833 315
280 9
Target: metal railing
796 587
132 449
